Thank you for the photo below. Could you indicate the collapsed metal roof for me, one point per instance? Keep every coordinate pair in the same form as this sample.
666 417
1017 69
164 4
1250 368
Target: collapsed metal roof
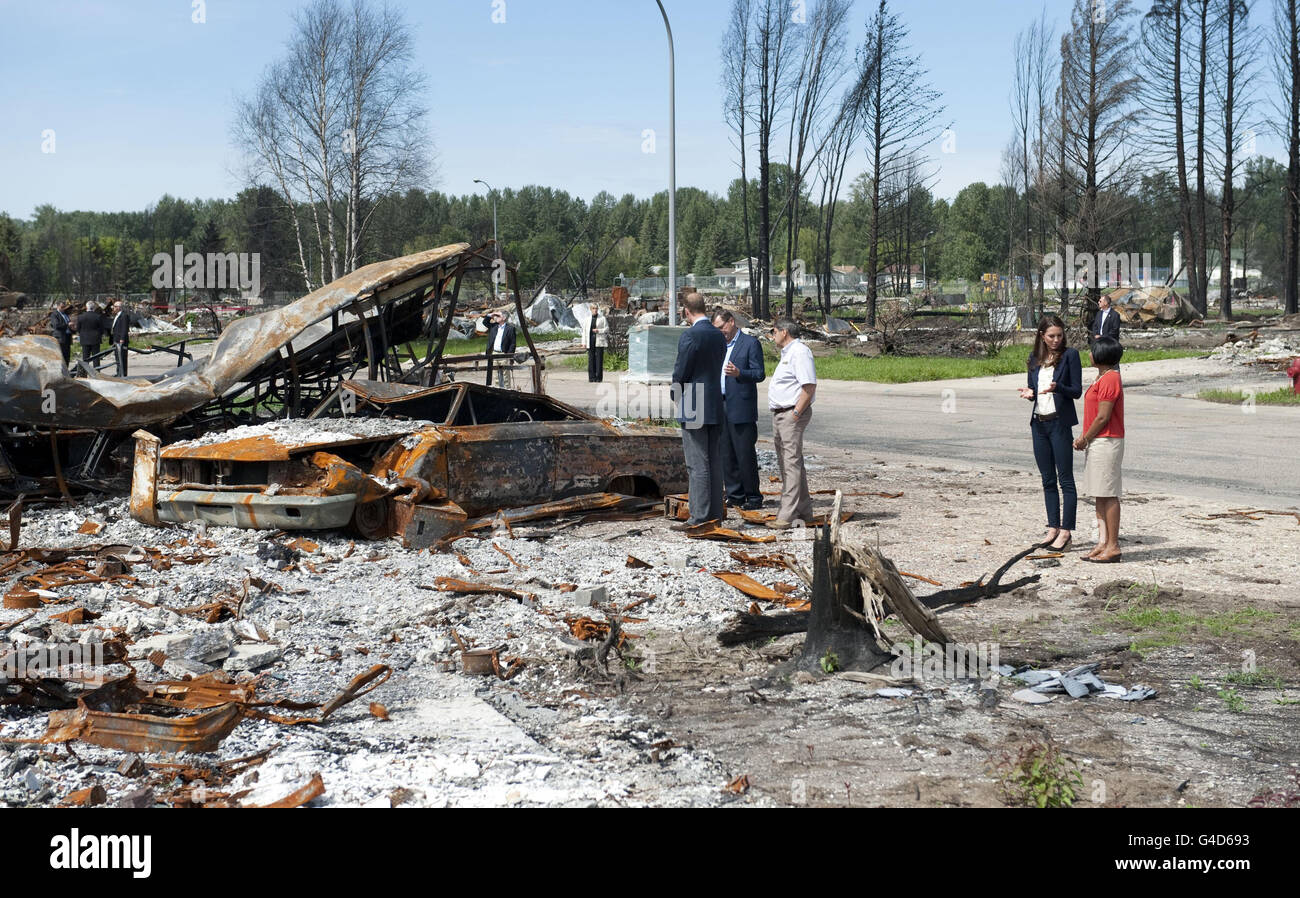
36 388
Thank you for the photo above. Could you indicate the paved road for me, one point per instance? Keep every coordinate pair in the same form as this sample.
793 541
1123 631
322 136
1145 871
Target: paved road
1174 445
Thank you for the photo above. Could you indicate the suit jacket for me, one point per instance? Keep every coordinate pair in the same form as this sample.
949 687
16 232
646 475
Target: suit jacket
507 342
1069 385
1110 328
121 329
60 326
698 374
90 328
741 397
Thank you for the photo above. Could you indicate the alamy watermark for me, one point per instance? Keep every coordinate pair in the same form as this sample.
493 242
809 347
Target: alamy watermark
207 271
631 400
1097 269
54 660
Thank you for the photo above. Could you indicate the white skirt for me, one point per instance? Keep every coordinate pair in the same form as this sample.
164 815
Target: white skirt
1102 463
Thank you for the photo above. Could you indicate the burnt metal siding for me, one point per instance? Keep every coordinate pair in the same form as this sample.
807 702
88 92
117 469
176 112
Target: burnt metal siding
32 369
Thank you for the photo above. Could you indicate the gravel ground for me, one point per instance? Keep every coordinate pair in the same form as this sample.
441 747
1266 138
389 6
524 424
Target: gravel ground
676 718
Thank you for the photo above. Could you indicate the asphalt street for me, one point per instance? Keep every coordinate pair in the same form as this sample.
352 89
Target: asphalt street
1233 455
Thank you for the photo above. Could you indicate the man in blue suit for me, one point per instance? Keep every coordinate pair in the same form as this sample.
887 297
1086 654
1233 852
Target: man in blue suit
742 370
696 380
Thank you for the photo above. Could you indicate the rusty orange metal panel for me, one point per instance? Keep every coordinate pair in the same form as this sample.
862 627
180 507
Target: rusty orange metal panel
144 732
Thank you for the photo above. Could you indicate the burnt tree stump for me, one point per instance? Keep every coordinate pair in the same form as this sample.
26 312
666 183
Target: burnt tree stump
837 622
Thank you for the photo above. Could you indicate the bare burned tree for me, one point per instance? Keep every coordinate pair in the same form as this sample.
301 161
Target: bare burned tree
1042 77
1286 55
1097 111
387 142
901 111
336 125
831 166
771 56
735 111
1164 37
1030 96
1234 93
820 48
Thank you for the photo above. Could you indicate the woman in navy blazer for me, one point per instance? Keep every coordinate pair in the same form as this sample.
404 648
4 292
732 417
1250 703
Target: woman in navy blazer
1055 381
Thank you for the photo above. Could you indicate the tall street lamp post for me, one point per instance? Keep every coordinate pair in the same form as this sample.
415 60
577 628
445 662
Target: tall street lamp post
672 175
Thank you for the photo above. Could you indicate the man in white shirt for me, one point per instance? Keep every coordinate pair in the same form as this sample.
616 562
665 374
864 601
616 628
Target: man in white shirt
501 345
1106 322
120 334
790 398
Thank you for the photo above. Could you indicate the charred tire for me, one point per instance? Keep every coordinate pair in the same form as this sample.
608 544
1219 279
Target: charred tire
374 520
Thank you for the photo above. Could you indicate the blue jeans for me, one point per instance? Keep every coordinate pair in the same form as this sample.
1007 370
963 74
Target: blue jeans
1054 452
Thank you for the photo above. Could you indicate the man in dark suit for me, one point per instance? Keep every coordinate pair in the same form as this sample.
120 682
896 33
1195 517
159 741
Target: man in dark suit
61 330
501 342
1105 323
742 370
120 336
697 382
90 329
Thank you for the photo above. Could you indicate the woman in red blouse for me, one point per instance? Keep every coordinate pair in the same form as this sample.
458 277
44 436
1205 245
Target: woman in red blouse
1103 438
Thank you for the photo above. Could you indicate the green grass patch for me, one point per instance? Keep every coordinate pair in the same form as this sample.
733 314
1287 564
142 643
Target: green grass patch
614 361
1260 677
1136 610
1159 627
1280 396
901 369
1236 704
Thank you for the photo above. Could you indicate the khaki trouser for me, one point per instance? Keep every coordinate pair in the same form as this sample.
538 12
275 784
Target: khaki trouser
787 435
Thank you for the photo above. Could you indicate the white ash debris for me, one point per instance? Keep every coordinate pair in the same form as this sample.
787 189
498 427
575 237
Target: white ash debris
1272 350
301 432
153 325
452 739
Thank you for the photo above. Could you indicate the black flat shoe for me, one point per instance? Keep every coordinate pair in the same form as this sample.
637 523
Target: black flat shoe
1055 548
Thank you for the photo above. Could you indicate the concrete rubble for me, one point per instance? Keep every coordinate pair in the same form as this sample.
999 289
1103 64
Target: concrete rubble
1272 352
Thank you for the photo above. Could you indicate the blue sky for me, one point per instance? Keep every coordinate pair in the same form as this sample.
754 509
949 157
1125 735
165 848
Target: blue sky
140 97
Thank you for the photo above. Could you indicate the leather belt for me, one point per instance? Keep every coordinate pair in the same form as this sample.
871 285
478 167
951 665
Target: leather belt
1052 417
788 408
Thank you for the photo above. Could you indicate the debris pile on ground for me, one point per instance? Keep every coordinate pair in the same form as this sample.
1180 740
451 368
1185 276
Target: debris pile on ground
1274 352
219 642
1044 685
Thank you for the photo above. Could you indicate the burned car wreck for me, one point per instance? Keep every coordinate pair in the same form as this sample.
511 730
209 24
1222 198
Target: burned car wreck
466 452
388 321
338 409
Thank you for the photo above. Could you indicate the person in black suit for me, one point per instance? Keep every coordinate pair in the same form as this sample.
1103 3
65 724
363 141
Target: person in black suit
1055 381
697 382
742 370
501 342
121 336
1105 323
90 327
61 330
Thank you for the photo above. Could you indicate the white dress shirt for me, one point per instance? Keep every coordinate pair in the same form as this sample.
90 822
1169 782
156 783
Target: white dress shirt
499 344
793 371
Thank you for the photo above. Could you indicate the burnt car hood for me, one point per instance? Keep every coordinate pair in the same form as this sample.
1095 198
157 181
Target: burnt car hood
37 389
